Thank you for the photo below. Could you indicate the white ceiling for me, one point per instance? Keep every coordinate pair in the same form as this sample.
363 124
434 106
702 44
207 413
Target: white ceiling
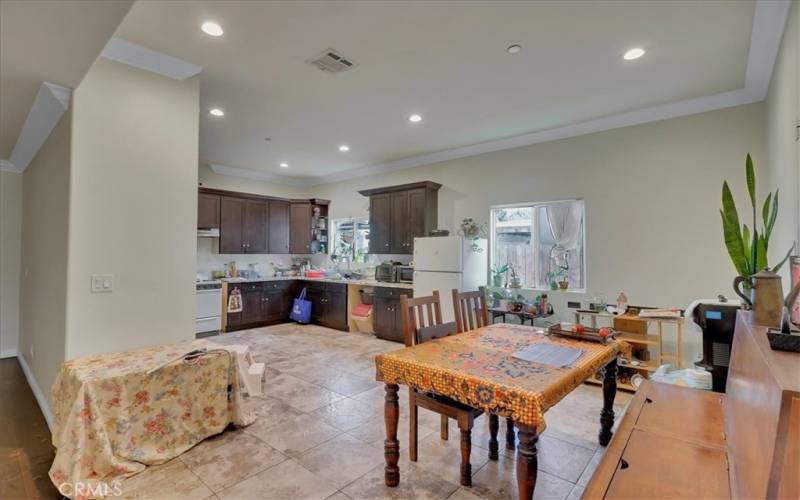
445 60
52 41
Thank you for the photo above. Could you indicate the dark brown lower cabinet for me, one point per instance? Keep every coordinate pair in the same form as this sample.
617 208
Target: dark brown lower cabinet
270 302
388 322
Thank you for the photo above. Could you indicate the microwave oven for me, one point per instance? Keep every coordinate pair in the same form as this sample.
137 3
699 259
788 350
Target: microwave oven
385 272
404 274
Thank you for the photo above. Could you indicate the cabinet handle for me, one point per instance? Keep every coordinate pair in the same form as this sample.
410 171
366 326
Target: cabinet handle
386 245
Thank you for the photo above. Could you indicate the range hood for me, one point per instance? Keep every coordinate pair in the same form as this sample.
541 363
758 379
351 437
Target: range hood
208 233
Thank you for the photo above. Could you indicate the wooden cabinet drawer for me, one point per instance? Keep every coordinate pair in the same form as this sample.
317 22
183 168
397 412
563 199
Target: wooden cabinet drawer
667 467
391 292
251 287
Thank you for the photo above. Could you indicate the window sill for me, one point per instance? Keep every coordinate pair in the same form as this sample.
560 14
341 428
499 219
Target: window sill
542 290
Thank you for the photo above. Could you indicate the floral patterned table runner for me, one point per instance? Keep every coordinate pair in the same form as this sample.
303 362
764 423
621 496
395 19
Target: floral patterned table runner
116 413
478 369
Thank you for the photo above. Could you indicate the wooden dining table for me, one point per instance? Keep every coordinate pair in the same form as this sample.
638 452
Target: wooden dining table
479 369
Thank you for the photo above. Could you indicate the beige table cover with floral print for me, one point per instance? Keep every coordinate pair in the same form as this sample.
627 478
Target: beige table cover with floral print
114 414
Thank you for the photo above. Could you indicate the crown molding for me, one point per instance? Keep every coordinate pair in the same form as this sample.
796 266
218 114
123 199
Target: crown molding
125 52
7 166
258 175
50 104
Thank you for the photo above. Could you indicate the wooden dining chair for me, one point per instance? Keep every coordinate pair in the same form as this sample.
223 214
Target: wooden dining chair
472 312
417 330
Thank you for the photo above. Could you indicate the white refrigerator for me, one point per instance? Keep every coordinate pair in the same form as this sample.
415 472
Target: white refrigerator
448 262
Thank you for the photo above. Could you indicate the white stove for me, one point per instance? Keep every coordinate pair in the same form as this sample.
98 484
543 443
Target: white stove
208 302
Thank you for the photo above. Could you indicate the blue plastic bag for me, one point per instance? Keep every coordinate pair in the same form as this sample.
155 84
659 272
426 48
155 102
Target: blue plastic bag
301 309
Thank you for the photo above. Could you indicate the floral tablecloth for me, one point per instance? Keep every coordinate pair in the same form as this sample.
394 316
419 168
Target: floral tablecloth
478 369
116 413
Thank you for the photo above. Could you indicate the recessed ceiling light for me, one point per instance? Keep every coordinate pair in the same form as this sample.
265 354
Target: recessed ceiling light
217 112
513 49
212 28
284 165
415 118
344 148
632 54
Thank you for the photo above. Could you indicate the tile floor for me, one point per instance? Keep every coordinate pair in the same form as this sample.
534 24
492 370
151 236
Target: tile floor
319 434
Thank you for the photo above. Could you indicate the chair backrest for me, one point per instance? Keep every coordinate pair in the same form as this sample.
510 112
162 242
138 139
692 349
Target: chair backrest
470 310
414 312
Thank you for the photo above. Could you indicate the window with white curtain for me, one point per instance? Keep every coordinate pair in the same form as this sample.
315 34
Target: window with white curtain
543 242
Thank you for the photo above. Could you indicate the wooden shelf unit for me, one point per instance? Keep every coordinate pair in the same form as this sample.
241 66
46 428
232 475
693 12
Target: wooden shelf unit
641 338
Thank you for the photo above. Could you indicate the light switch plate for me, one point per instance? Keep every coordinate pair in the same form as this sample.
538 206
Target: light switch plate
102 283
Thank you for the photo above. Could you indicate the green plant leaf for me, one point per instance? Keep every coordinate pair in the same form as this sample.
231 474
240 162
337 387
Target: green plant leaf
747 248
751 180
773 215
761 252
729 206
733 242
765 210
785 258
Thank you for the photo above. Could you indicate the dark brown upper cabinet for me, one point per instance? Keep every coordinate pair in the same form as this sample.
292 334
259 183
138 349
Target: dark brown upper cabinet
231 231
256 224
379 223
300 228
398 214
243 227
207 211
278 227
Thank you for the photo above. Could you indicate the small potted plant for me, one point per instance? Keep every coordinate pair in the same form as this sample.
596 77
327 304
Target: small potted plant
469 228
498 275
559 279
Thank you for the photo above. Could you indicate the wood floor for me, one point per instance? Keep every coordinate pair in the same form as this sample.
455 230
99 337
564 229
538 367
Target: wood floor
25 449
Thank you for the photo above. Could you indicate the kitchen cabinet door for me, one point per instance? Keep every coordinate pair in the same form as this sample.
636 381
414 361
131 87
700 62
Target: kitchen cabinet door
379 223
251 306
207 211
231 225
398 241
300 228
272 308
255 227
417 217
336 310
278 227
384 324
316 296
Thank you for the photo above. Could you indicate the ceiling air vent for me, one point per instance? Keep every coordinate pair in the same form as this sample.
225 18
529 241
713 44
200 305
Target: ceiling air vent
331 61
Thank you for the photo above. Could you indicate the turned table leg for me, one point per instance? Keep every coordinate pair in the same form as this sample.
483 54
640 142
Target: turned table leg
527 462
609 392
511 436
466 449
494 426
391 447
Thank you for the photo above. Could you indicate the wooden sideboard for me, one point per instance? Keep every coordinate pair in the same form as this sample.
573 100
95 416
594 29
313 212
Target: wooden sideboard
675 442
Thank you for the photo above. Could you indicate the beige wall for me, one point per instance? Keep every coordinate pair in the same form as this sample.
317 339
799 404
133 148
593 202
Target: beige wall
782 115
10 248
133 200
45 226
652 198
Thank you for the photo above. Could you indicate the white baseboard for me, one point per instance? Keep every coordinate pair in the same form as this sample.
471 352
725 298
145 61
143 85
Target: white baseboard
8 353
37 392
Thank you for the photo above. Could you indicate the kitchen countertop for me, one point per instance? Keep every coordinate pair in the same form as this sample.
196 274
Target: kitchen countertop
362 282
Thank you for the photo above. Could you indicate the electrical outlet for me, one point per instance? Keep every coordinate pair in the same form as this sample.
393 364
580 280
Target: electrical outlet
102 283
